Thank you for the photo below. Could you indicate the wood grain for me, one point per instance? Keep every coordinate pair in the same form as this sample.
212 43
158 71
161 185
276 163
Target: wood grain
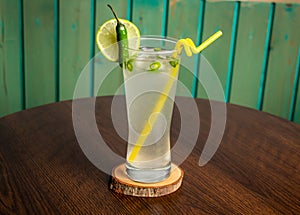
120 183
43 170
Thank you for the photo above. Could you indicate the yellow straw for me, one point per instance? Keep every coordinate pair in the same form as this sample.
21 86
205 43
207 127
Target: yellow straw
189 47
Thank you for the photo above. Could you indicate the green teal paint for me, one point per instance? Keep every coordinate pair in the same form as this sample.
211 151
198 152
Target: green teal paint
164 28
74 27
286 37
266 57
129 10
37 22
56 50
200 22
1 28
288 7
251 35
22 68
153 3
232 50
92 44
295 89
217 28
199 39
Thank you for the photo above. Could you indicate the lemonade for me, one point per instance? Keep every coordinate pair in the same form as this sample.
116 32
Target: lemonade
150 70
146 75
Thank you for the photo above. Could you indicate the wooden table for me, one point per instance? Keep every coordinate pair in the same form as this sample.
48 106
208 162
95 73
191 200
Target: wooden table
256 169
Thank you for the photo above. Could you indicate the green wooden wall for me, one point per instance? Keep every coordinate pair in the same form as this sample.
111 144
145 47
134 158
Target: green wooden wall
45 44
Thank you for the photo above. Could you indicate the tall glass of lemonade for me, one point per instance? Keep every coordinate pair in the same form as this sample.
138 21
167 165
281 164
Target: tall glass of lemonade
150 76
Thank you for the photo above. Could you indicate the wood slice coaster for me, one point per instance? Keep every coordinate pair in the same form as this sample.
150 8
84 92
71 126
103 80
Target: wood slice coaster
120 183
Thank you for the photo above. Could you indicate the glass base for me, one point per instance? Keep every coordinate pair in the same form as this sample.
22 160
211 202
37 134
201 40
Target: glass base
148 175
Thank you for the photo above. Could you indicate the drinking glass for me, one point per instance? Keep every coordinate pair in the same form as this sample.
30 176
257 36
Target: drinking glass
150 76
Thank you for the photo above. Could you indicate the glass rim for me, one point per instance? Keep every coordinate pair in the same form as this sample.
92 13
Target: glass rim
159 39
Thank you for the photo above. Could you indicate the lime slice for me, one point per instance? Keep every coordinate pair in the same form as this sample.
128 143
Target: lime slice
107 39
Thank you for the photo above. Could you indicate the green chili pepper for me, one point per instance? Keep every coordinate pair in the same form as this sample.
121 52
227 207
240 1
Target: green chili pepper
130 65
173 63
154 66
121 38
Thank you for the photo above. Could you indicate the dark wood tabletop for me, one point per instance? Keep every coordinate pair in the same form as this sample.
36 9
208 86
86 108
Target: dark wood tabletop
256 169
